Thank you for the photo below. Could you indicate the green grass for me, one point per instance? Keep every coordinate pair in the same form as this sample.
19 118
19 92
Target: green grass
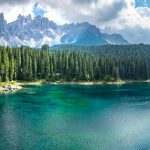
7 83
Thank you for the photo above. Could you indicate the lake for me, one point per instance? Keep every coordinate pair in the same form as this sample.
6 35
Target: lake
76 117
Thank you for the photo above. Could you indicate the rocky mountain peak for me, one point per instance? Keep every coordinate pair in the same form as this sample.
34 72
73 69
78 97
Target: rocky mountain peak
40 30
3 24
1 16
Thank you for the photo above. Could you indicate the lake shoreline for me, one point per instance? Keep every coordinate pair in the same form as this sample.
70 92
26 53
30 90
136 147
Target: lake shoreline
16 85
119 82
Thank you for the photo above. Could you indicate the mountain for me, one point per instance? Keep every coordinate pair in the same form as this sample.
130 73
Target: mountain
40 30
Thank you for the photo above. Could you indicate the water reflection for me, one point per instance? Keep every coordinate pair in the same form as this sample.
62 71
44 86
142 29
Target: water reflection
76 117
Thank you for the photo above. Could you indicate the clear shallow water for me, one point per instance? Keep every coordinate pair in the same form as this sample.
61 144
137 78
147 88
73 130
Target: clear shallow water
75 117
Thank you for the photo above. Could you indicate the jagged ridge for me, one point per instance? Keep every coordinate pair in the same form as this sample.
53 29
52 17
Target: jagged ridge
40 30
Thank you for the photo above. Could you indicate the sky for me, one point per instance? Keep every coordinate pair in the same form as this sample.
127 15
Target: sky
130 18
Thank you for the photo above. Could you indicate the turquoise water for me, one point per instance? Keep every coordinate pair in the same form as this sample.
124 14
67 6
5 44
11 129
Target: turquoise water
75 117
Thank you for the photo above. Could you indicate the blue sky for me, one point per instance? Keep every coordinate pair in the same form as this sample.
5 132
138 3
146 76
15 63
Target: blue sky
38 11
142 3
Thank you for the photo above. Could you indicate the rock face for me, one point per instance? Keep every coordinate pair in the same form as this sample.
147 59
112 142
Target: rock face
40 30
3 28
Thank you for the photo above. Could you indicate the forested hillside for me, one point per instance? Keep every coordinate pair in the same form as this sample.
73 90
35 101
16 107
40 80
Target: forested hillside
116 50
108 63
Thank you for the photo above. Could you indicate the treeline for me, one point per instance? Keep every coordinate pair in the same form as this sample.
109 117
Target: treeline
29 64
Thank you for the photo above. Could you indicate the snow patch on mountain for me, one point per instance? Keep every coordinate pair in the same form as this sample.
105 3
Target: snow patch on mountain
40 30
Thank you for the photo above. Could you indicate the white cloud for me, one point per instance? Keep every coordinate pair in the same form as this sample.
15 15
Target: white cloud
11 13
56 15
133 23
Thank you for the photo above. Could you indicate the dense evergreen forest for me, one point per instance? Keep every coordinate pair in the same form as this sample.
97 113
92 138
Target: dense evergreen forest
107 63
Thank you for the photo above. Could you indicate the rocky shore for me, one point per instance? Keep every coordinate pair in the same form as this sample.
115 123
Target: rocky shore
10 88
